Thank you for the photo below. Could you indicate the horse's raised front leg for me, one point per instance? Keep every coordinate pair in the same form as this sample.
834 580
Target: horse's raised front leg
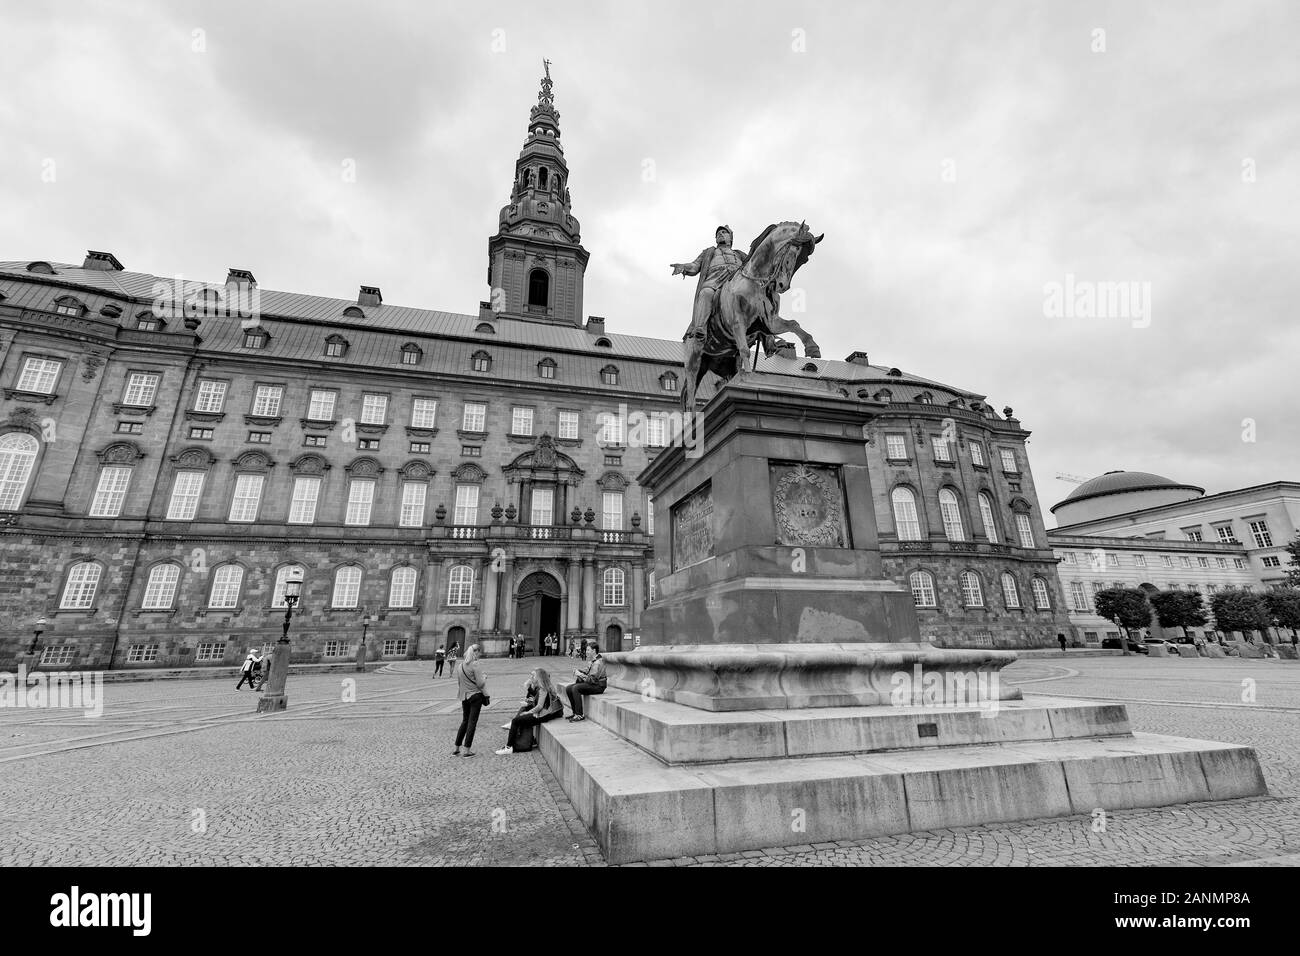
810 348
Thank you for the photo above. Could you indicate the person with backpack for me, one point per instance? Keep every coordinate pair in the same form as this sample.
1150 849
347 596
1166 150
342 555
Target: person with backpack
439 657
546 706
471 688
247 672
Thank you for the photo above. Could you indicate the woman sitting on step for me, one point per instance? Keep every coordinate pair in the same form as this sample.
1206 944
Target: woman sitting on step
548 707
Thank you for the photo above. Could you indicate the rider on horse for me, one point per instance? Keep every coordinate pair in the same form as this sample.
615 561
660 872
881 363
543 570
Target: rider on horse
714 267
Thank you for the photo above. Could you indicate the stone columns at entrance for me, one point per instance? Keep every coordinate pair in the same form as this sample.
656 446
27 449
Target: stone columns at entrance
588 594
573 596
488 617
638 594
508 599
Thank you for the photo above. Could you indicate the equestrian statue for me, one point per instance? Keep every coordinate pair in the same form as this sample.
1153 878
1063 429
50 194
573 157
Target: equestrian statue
737 301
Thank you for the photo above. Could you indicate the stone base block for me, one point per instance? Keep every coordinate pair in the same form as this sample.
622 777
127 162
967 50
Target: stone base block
638 808
1214 650
1287 652
1187 650
271 703
1157 650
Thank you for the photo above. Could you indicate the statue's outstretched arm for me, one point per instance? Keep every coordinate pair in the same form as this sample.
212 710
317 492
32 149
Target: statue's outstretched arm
690 268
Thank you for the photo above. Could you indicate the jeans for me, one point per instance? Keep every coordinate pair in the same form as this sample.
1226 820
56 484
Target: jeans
437 667
247 676
577 691
528 720
469 708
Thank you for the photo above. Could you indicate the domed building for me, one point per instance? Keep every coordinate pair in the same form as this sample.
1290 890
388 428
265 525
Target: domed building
1121 492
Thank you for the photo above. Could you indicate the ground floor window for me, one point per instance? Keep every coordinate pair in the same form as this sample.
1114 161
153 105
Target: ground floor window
58 654
394 647
1090 637
210 652
142 654
336 649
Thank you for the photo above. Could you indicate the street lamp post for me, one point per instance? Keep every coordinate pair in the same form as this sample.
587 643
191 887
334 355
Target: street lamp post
39 628
366 621
275 698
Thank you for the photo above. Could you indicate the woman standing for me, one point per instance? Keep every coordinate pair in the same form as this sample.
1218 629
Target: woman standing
471 687
548 707
451 659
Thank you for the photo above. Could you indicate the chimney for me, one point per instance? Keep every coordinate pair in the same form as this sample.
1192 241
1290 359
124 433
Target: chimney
241 277
370 296
596 324
485 313
101 261
785 349
857 358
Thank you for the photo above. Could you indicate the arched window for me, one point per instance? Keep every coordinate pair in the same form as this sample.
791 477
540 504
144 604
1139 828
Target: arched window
543 176
539 288
951 514
906 523
282 578
354 312
481 362
347 587
612 589
603 343
986 515
1010 591
923 594
460 586
972 595
336 346
485 328
546 368
160 592
79 590
226 582
401 588
1042 598
609 375
17 458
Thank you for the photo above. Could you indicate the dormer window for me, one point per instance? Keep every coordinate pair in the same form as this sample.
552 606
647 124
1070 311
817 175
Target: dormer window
205 302
412 354
604 343
609 375
41 268
68 305
481 362
546 368
925 398
668 382
352 312
810 367
336 346
485 328
148 322
256 339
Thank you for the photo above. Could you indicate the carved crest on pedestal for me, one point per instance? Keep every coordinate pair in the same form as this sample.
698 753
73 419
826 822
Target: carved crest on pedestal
809 505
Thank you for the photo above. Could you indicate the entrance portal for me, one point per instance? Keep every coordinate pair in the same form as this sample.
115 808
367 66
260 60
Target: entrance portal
537 609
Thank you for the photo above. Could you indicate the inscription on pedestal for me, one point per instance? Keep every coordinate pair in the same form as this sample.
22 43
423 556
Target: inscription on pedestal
809 505
692 528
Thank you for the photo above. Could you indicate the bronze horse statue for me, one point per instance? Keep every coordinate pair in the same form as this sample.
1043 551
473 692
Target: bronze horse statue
747 312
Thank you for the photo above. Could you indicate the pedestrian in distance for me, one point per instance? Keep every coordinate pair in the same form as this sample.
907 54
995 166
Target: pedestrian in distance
246 671
439 657
1061 638
471 688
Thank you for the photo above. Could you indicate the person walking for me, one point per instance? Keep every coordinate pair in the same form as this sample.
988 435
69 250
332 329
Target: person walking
246 671
262 671
511 653
587 681
471 687
452 655
1061 639
439 657
546 706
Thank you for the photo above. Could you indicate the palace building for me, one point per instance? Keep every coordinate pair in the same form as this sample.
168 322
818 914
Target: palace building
172 452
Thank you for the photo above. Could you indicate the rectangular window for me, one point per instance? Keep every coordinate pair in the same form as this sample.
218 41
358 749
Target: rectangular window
208 652
160 592
614 461
211 396
1008 460
202 434
141 387
1263 539
266 400
413 493
1224 531
655 431
1203 562
466 504
1025 529
39 375
184 502
302 508
1221 563
543 506
649 514
225 586
314 441
1186 561
612 513
401 591
1167 560
611 428
475 417
895 447
1193 534
471 451
521 421
1071 558
260 438
142 654
1238 564
347 587
395 647
336 649
411 357
361 498
321 406
568 425
977 454
254 339
424 412
111 492
1077 597
942 451
374 409
1272 561
1112 560
79 592
1139 561
368 444
248 495
420 447
130 428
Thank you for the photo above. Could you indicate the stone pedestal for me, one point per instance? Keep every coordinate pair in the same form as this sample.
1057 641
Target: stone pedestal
782 693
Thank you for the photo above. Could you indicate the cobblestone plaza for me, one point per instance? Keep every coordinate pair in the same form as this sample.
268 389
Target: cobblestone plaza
182 772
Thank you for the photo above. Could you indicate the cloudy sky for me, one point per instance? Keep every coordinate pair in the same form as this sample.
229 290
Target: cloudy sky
960 158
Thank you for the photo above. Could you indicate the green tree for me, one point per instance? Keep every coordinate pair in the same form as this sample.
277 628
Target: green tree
1127 607
1179 609
1293 568
1283 606
1237 609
